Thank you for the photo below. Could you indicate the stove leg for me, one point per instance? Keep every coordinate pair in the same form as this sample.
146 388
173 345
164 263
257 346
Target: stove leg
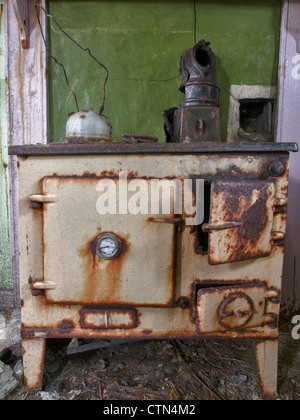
267 364
33 361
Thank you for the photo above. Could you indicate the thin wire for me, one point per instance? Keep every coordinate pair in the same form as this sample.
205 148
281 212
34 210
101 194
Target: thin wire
78 45
56 61
195 22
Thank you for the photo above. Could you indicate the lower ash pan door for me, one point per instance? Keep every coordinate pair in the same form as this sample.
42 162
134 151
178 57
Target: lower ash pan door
221 309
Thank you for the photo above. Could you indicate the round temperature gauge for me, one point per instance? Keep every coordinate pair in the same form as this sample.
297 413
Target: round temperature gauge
108 246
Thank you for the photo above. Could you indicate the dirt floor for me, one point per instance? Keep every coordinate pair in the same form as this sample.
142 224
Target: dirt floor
163 370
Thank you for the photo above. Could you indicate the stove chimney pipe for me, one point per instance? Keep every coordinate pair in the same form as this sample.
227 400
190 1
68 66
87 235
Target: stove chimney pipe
198 117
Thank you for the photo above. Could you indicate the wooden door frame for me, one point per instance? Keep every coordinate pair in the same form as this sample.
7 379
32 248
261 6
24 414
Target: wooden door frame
26 109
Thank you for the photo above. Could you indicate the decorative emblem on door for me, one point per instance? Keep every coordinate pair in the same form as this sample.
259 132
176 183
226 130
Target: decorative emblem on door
108 246
236 310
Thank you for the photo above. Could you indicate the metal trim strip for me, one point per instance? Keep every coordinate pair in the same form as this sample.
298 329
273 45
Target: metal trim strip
157 148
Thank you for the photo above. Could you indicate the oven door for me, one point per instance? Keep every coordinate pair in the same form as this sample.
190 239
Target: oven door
141 273
241 221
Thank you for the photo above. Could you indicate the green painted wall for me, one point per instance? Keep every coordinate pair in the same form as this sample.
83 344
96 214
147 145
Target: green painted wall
141 43
5 246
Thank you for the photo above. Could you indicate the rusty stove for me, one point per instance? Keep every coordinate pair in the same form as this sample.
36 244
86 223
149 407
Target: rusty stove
154 276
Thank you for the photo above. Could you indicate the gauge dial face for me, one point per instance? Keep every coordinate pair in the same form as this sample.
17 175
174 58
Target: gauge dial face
108 246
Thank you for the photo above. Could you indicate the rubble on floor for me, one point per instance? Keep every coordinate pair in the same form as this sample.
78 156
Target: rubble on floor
10 334
10 344
7 381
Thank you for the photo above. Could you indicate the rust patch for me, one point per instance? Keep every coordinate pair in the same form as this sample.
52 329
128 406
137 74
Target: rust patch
50 332
148 332
248 207
109 174
88 175
116 174
113 269
254 221
66 325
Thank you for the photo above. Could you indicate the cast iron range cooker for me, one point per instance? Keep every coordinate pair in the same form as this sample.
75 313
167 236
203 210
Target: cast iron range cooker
149 276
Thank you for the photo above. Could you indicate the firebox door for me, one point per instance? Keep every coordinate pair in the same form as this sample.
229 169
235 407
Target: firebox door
113 258
241 220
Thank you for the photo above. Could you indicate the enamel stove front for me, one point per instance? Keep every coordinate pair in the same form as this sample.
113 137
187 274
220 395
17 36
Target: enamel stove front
149 276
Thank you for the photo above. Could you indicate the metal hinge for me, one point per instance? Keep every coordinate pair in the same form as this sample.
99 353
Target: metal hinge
39 198
273 297
43 285
37 201
39 286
